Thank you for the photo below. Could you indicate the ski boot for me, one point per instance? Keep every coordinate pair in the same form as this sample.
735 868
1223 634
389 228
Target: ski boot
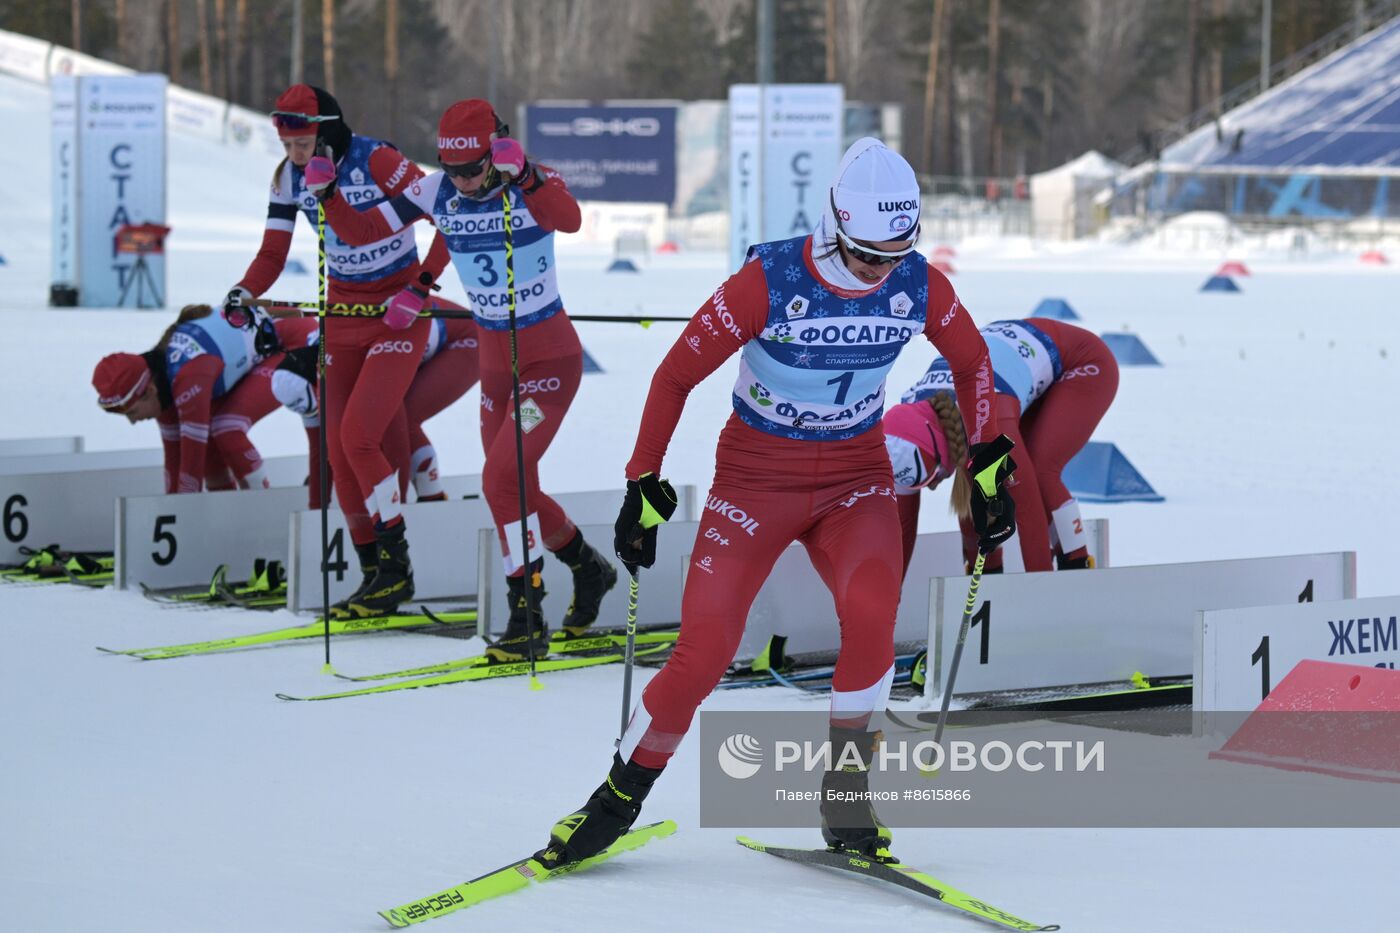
849 823
525 634
594 576
600 822
1084 561
369 564
393 578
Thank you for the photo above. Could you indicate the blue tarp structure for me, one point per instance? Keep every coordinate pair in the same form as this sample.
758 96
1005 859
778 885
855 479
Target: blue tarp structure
1129 350
1343 112
1100 473
1220 283
622 265
1056 308
295 267
590 365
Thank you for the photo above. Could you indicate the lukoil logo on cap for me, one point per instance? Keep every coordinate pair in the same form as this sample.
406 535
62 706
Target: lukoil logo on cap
458 142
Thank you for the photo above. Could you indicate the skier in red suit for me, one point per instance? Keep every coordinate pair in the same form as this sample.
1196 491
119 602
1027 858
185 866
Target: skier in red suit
818 321
481 165
370 362
206 385
1054 382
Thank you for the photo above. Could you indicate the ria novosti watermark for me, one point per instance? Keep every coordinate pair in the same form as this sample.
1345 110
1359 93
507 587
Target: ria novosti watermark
741 756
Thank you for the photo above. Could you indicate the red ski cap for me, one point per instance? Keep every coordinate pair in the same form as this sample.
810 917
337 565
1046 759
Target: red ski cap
119 379
299 100
465 131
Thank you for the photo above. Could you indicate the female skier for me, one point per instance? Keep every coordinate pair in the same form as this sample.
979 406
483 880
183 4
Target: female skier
820 320
206 384
1054 381
481 165
370 362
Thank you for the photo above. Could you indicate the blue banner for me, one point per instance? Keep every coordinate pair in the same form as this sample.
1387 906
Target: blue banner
607 153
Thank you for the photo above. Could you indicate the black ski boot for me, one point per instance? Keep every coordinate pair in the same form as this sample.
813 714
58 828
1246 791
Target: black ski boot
594 576
369 563
525 632
393 579
849 823
600 822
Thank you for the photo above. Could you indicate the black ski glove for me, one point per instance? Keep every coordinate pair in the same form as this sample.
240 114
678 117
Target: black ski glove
649 502
989 466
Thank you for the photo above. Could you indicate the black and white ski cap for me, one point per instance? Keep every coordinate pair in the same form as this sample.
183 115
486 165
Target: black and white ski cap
876 193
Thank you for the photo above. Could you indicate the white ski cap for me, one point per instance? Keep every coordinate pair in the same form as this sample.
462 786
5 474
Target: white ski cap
876 193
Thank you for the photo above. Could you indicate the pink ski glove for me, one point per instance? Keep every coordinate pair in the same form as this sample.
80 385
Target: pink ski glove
402 310
320 177
508 158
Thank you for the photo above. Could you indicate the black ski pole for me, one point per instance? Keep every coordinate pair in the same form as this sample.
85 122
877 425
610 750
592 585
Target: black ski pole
519 439
324 471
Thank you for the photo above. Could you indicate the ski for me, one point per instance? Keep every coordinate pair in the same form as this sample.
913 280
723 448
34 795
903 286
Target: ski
189 594
483 672
250 597
513 877
902 875
310 630
557 646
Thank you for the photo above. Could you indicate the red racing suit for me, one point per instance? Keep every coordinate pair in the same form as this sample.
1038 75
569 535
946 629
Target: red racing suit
773 485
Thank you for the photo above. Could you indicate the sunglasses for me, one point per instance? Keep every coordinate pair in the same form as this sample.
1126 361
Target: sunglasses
284 120
467 169
864 252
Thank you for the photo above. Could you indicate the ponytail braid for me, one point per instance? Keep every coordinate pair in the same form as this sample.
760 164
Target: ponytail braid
187 313
950 419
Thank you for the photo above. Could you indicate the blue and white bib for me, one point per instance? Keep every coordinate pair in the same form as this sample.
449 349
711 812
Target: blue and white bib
817 371
375 260
475 236
212 335
1024 361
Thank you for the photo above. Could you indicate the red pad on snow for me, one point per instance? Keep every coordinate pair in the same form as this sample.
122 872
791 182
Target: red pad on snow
1233 267
944 251
1337 719
669 246
1374 257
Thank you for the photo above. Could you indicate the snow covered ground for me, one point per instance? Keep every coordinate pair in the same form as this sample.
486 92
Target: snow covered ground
181 795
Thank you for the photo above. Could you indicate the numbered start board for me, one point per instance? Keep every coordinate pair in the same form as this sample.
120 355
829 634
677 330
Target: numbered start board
179 540
1096 626
68 499
1242 654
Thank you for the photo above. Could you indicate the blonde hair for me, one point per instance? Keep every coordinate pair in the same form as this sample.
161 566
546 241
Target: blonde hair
187 313
950 419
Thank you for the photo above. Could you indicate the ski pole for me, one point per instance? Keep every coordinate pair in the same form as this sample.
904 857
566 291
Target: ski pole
519 439
324 471
276 308
958 649
628 655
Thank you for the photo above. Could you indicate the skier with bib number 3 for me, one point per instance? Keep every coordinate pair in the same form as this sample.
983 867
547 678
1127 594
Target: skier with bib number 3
819 321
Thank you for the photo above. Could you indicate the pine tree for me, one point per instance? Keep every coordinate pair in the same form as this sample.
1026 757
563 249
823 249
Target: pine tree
676 56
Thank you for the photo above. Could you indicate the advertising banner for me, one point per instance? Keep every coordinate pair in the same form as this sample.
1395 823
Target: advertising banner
784 151
63 164
121 180
607 153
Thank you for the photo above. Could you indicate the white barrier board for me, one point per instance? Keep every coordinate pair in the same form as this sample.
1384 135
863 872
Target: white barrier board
1091 626
32 446
1242 654
178 540
658 593
441 544
794 602
69 499
596 514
